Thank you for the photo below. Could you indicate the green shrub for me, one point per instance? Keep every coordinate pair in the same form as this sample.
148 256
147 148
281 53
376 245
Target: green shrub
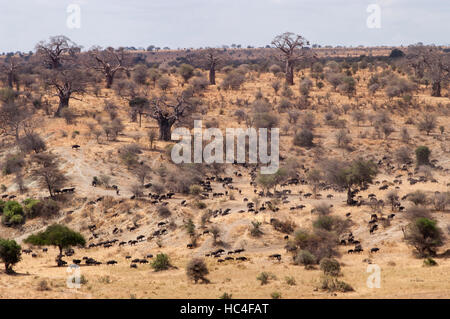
304 258
161 262
263 278
290 281
275 295
12 213
429 262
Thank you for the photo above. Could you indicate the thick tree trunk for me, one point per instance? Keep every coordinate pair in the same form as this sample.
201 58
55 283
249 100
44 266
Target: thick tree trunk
289 73
109 80
436 89
63 103
350 200
10 80
165 128
212 75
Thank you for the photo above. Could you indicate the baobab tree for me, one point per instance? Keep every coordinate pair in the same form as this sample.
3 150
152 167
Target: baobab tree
10 68
56 50
211 59
167 111
432 63
109 62
65 82
294 49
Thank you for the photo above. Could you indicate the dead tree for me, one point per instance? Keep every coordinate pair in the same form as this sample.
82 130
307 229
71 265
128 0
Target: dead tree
294 49
109 62
47 173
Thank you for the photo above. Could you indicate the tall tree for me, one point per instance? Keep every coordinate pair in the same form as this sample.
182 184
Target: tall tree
109 61
167 111
65 82
10 67
10 253
56 50
432 63
293 50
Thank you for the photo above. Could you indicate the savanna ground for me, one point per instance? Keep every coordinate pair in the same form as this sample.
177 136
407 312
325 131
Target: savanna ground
403 275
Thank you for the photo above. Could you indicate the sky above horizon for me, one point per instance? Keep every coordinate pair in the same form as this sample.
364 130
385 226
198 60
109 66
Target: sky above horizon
200 23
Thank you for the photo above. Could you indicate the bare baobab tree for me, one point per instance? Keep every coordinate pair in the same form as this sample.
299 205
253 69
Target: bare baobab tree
167 112
56 50
432 63
211 59
294 49
10 68
109 62
65 82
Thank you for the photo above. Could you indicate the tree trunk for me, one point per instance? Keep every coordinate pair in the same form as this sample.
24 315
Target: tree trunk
10 80
436 89
164 130
289 73
63 103
109 80
350 200
212 75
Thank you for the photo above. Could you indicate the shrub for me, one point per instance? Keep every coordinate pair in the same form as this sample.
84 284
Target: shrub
290 280
32 142
263 278
304 138
427 123
429 262
161 262
418 198
441 200
164 212
12 213
275 295
333 284
255 231
330 266
226 295
342 138
13 163
197 270
305 258
233 80
423 155
424 235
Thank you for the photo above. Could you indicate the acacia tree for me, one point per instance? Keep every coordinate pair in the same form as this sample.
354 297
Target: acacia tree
57 50
432 63
109 62
167 112
348 175
59 236
10 253
293 48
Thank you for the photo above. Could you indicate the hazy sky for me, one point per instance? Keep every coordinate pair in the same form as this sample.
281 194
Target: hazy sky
195 23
